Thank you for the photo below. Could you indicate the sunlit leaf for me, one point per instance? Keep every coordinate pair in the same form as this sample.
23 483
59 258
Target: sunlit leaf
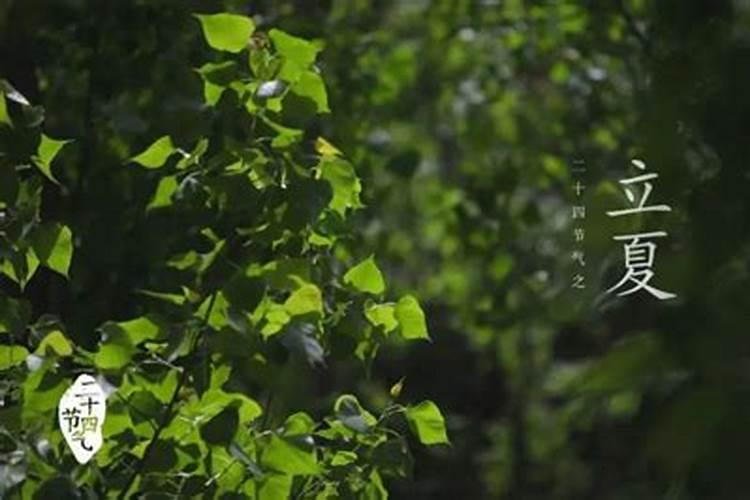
366 277
306 299
411 318
228 32
282 455
55 342
53 246
344 181
12 355
164 191
46 153
156 155
4 117
383 315
310 85
427 423
296 50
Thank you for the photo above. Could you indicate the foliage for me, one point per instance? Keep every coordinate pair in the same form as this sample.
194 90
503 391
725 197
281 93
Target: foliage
443 131
243 244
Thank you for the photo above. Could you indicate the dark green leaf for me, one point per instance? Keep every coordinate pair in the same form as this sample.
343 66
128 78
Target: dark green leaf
222 427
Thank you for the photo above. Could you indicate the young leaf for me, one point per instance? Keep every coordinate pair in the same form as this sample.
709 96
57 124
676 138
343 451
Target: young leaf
46 153
139 329
325 148
427 423
284 456
228 32
344 182
4 117
382 315
53 246
411 318
366 277
12 355
20 267
55 342
113 355
164 191
306 299
156 155
299 51
310 85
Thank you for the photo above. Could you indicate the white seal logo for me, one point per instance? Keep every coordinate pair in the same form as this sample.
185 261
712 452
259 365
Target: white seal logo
81 415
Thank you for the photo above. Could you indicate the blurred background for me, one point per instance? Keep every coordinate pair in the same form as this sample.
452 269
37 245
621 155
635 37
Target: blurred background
464 119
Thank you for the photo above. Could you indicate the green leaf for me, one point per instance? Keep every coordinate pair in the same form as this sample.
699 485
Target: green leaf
140 329
344 182
382 315
310 85
366 277
216 79
113 356
343 458
120 341
53 246
411 318
4 117
283 455
375 490
275 487
20 267
55 342
299 51
41 393
164 191
12 355
194 157
46 153
299 423
275 318
229 32
156 155
216 398
306 299
427 423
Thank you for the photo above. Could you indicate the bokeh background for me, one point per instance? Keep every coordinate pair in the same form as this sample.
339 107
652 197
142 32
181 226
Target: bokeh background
463 119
